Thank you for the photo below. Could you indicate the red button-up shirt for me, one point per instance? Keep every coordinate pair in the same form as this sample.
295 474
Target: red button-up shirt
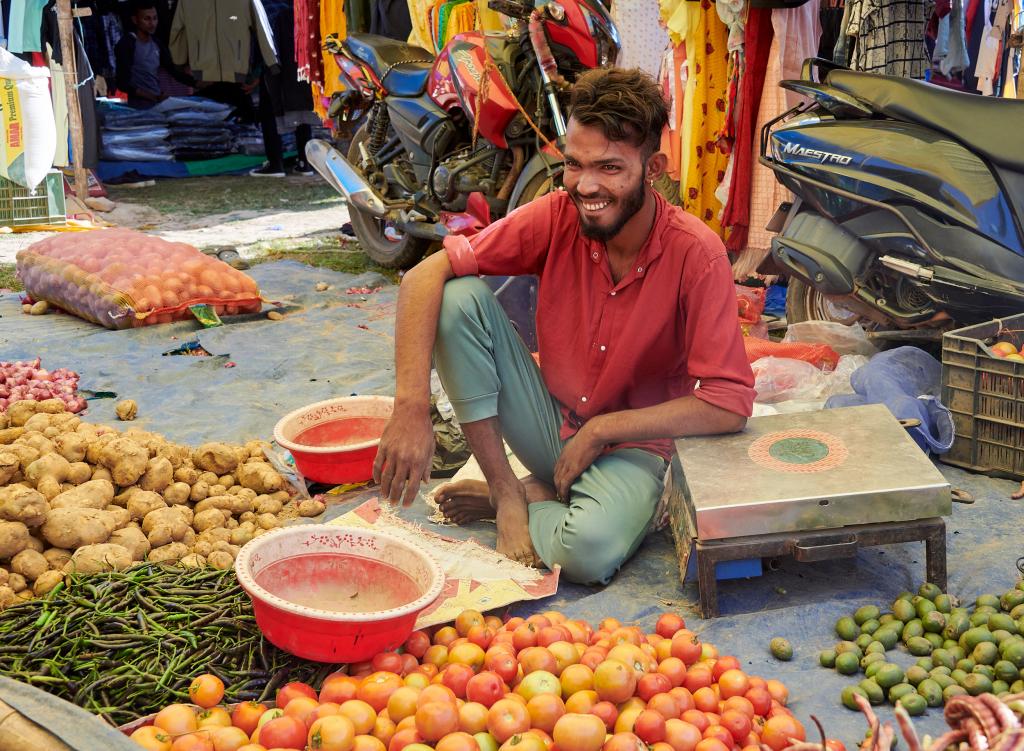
667 329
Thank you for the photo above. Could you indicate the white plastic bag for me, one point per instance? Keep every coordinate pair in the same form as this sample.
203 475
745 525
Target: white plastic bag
846 340
28 144
778 380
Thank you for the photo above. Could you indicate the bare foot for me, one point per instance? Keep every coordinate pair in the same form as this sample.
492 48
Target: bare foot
464 501
1019 494
514 525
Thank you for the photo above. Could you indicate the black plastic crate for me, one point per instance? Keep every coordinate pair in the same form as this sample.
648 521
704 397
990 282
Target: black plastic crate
985 393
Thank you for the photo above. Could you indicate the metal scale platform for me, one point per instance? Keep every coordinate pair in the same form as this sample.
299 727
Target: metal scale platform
814 485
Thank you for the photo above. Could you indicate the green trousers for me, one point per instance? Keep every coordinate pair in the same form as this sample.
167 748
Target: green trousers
487 372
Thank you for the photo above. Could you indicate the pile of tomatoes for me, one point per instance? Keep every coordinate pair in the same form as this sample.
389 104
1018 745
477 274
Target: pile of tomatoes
544 683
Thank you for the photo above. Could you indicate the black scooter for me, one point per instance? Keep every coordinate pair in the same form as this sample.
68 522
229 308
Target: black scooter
909 210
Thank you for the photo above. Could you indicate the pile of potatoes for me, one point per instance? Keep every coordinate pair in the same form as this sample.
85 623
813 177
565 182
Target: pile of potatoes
80 497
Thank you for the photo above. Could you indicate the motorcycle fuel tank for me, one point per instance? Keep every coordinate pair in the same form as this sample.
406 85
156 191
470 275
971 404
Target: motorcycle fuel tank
900 164
466 75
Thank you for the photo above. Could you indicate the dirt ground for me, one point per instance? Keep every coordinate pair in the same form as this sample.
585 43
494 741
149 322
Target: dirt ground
262 218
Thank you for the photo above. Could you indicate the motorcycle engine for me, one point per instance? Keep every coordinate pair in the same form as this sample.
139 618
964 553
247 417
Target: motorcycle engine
467 172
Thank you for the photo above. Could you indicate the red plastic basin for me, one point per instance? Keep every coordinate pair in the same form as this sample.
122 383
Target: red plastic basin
287 571
330 458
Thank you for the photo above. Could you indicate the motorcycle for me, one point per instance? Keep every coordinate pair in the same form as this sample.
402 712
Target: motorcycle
909 202
449 143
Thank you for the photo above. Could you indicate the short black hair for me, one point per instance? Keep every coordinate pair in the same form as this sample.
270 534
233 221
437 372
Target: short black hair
627 105
138 6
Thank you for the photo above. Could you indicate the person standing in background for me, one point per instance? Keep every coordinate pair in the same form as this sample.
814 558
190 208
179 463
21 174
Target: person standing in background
285 102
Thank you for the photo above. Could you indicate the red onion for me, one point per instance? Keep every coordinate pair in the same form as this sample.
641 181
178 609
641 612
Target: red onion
29 380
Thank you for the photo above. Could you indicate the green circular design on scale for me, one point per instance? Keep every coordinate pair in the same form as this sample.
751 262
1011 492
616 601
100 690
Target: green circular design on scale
798 450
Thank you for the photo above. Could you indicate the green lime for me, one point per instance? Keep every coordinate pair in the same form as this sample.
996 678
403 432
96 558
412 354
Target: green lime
959 675
873 667
1017 687
1001 635
940 670
863 640
889 675
870 627
1006 671
985 653
919 646
1011 599
1013 652
976 684
865 614
847 663
888 637
934 621
943 657
1000 687
902 610
848 694
900 689
875 646
931 691
1003 622
943 680
916 674
872 690
915 704
827 658
886 618
924 662
976 636
934 639
986 601
929 591
847 629
986 670
912 629
966 664
781 649
871 659
950 691
980 617
956 625
944 603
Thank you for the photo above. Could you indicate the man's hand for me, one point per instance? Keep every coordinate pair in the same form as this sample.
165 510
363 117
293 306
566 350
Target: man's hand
405 455
578 454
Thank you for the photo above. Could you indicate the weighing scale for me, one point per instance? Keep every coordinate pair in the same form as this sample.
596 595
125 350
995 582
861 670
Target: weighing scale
814 485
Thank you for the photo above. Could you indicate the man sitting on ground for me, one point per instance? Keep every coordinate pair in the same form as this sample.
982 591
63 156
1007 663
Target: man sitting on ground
139 55
638 340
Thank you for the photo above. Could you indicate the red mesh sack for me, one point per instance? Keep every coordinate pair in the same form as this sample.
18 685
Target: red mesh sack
820 355
122 279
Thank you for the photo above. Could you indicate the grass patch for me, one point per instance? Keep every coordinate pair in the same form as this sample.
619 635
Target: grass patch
7 278
326 252
203 196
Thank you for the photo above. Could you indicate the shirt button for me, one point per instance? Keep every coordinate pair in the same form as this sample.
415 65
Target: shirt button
613 293
594 255
639 269
583 398
603 348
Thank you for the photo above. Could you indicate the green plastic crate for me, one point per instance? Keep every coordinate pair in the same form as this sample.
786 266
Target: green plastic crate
19 207
986 396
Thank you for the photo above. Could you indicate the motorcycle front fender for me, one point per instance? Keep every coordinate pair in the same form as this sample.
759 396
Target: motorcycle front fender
539 164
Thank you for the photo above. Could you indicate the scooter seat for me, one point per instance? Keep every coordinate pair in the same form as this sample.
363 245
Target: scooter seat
988 125
402 68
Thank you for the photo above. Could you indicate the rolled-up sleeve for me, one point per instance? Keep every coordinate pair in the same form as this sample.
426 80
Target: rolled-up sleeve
715 352
515 245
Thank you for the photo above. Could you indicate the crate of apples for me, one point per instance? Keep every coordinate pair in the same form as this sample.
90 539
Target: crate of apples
1007 351
544 683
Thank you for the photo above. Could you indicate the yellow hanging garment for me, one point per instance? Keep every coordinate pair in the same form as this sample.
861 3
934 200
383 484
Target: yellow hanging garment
332 22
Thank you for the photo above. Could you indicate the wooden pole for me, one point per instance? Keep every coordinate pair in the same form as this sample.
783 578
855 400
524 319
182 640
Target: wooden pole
69 56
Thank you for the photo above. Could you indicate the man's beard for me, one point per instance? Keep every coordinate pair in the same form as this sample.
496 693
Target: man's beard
628 207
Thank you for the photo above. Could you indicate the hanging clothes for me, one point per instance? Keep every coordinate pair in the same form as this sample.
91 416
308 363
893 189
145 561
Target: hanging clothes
390 18
889 37
673 81
990 52
308 57
796 35
419 15
758 37
214 38
333 22
24 24
707 60
831 17
642 35
291 100
50 39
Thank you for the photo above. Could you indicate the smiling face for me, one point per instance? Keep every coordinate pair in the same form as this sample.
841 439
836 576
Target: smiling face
604 178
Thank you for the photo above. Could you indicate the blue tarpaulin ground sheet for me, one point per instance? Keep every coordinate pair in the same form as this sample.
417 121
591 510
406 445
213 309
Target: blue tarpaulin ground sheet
335 343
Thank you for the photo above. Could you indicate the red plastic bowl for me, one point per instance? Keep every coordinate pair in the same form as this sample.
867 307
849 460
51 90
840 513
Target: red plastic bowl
323 560
333 464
